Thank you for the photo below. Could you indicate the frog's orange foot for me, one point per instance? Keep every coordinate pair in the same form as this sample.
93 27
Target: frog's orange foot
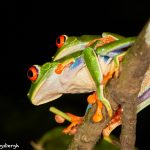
98 114
59 69
92 98
72 128
75 122
107 131
115 122
109 75
106 78
62 66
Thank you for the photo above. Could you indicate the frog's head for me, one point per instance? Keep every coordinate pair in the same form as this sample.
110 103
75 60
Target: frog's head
42 82
67 45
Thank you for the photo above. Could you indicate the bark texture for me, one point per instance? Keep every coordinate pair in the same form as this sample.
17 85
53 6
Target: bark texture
121 91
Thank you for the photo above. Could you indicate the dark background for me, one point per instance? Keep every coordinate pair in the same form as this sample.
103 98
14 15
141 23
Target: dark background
32 29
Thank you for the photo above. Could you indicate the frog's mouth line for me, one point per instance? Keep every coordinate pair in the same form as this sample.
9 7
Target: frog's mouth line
47 98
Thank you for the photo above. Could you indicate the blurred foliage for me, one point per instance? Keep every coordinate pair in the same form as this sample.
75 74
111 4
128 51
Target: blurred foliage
56 140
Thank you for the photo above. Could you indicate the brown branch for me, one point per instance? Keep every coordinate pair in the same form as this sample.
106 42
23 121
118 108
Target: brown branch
123 91
127 87
88 133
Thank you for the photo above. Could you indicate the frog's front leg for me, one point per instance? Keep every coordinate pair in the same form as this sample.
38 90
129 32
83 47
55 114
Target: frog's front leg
61 66
114 68
117 60
95 71
60 117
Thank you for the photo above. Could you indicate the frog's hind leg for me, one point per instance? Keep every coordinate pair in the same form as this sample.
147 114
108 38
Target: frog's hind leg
106 103
95 71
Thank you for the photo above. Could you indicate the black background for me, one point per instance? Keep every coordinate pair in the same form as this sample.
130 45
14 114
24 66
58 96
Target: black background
32 28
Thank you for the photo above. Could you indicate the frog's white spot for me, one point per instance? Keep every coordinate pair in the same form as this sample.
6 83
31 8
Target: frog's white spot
147 35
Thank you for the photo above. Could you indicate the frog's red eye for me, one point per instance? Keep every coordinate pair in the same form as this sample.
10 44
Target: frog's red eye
61 40
32 73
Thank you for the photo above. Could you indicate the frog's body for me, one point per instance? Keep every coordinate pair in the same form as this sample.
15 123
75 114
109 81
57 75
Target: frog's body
75 78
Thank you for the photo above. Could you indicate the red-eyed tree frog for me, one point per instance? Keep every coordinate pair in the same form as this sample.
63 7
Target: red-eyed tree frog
81 65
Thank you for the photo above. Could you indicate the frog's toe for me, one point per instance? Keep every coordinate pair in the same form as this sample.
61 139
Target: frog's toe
106 78
98 114
75 122
71 129
92 98
59 119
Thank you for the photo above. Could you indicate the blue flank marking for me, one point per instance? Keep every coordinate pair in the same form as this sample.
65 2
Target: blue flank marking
106 58
88 107
114 53
77 62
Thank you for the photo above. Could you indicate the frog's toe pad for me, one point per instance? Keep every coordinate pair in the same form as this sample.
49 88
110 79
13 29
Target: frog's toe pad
72 128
